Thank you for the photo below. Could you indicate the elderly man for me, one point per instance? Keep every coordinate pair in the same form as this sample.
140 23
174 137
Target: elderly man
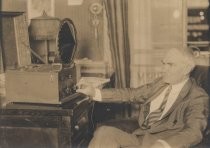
173 109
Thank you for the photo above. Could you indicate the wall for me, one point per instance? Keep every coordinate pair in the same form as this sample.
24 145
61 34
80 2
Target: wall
13 5
80 14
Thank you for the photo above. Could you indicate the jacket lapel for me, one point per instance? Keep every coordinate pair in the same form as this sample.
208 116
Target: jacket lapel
155 91
184 91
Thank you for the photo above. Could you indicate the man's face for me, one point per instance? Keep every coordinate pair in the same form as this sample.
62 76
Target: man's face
174 67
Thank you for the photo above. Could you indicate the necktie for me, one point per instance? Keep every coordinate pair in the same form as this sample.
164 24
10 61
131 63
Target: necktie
155 115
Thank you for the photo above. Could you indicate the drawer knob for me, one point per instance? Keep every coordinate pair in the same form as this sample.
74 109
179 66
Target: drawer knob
76 127
108 109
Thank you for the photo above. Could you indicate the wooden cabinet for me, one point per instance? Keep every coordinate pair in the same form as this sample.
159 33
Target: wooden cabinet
41 125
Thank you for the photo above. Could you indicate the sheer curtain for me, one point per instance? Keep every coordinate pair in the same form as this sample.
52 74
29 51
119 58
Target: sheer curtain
117 17
155 26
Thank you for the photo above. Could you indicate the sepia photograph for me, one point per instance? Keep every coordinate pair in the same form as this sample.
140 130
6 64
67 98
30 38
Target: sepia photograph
104 73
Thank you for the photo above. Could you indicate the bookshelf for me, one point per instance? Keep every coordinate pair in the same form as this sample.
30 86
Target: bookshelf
198 25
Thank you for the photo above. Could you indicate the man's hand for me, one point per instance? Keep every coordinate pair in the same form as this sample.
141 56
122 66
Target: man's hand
87 89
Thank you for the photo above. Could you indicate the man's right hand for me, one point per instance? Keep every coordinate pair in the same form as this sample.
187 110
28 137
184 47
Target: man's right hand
86 89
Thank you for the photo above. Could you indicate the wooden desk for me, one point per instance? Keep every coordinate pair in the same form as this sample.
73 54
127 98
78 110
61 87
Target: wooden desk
44 126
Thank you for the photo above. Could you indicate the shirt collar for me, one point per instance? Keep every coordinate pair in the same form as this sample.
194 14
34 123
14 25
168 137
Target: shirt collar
180 84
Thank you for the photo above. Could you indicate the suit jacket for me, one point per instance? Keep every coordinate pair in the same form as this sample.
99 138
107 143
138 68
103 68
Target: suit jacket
182 125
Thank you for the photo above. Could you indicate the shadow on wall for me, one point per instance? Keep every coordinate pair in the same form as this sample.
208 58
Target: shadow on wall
87 50
84 51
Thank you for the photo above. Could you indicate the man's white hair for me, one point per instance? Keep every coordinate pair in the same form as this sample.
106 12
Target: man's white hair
188 56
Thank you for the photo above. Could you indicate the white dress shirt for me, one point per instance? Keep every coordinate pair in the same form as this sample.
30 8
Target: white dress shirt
155 104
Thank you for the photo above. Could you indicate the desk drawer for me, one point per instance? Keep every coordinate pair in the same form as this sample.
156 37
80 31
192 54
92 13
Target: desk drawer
28 137
80 124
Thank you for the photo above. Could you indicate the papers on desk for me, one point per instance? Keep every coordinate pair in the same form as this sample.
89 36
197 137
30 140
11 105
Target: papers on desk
94 81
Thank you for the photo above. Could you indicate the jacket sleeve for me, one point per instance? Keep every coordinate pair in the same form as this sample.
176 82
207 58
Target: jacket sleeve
195 123
139 94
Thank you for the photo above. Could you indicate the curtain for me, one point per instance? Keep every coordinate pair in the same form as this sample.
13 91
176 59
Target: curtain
117 17
1 60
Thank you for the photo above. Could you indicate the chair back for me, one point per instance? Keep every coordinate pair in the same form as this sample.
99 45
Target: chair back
202 76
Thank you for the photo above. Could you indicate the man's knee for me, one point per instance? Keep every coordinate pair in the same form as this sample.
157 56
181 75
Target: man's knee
104 130
104 136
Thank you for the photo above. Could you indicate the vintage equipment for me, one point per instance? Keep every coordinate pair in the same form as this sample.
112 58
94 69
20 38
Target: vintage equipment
44 27
43 32
47 83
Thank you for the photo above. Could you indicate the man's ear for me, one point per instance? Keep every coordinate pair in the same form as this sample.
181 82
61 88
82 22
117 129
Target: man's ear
187 69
